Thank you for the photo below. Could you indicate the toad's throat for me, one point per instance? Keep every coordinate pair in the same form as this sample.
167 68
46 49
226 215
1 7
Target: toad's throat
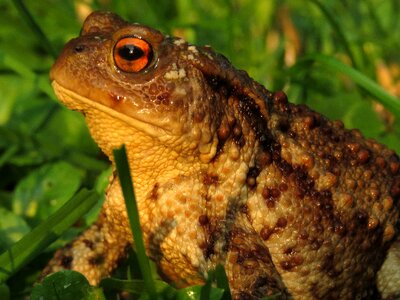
77 102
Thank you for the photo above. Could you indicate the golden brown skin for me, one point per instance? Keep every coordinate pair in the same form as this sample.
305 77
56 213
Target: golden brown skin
226 172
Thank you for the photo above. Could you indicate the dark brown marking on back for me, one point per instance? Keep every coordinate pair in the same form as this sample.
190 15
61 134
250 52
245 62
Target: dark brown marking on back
266 232
210 179
203 220
88 243
395 189
292 262
66 261
251 179
96 260
154 192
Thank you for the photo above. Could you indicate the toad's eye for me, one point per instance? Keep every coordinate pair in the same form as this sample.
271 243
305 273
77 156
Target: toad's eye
132 54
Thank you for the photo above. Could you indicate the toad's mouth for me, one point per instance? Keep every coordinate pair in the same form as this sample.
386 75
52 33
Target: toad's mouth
80 103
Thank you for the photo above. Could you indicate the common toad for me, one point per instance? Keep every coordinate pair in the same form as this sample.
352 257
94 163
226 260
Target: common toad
226 172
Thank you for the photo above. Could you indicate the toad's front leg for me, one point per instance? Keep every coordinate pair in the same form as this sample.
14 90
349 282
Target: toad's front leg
97 251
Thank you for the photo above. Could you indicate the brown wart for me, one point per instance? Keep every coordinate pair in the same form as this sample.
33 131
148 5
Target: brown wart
210 179
154 192
96 260
88 243
66 261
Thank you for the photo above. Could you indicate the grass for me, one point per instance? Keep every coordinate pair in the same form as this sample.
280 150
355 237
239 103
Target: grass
339 58
124 175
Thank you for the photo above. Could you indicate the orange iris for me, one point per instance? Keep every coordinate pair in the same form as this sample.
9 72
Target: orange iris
132 54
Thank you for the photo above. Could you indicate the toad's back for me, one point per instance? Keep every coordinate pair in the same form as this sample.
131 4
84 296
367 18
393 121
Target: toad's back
225 172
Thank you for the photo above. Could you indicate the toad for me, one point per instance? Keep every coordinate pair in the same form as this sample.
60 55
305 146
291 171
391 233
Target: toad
226 172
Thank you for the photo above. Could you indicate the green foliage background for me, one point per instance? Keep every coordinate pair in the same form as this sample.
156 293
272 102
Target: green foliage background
46 153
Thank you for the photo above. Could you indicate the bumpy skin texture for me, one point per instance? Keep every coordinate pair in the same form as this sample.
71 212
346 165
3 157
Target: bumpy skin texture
227 172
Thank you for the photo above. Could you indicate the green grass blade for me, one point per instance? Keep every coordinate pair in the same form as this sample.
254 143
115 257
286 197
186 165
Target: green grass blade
125 178
17 66
389 101
133 286
205 292
43 235
338 29
7 154
27 16
222 282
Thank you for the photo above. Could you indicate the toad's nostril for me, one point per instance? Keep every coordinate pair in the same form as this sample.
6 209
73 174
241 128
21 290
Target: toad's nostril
79 48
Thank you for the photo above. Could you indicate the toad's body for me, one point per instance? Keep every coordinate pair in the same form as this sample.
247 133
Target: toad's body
225 172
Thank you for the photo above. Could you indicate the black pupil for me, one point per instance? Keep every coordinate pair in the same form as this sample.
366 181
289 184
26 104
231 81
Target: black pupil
130 52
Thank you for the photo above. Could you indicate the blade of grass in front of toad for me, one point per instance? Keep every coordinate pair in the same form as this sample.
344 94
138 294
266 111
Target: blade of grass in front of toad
137 287
222 282
121 162
43 235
